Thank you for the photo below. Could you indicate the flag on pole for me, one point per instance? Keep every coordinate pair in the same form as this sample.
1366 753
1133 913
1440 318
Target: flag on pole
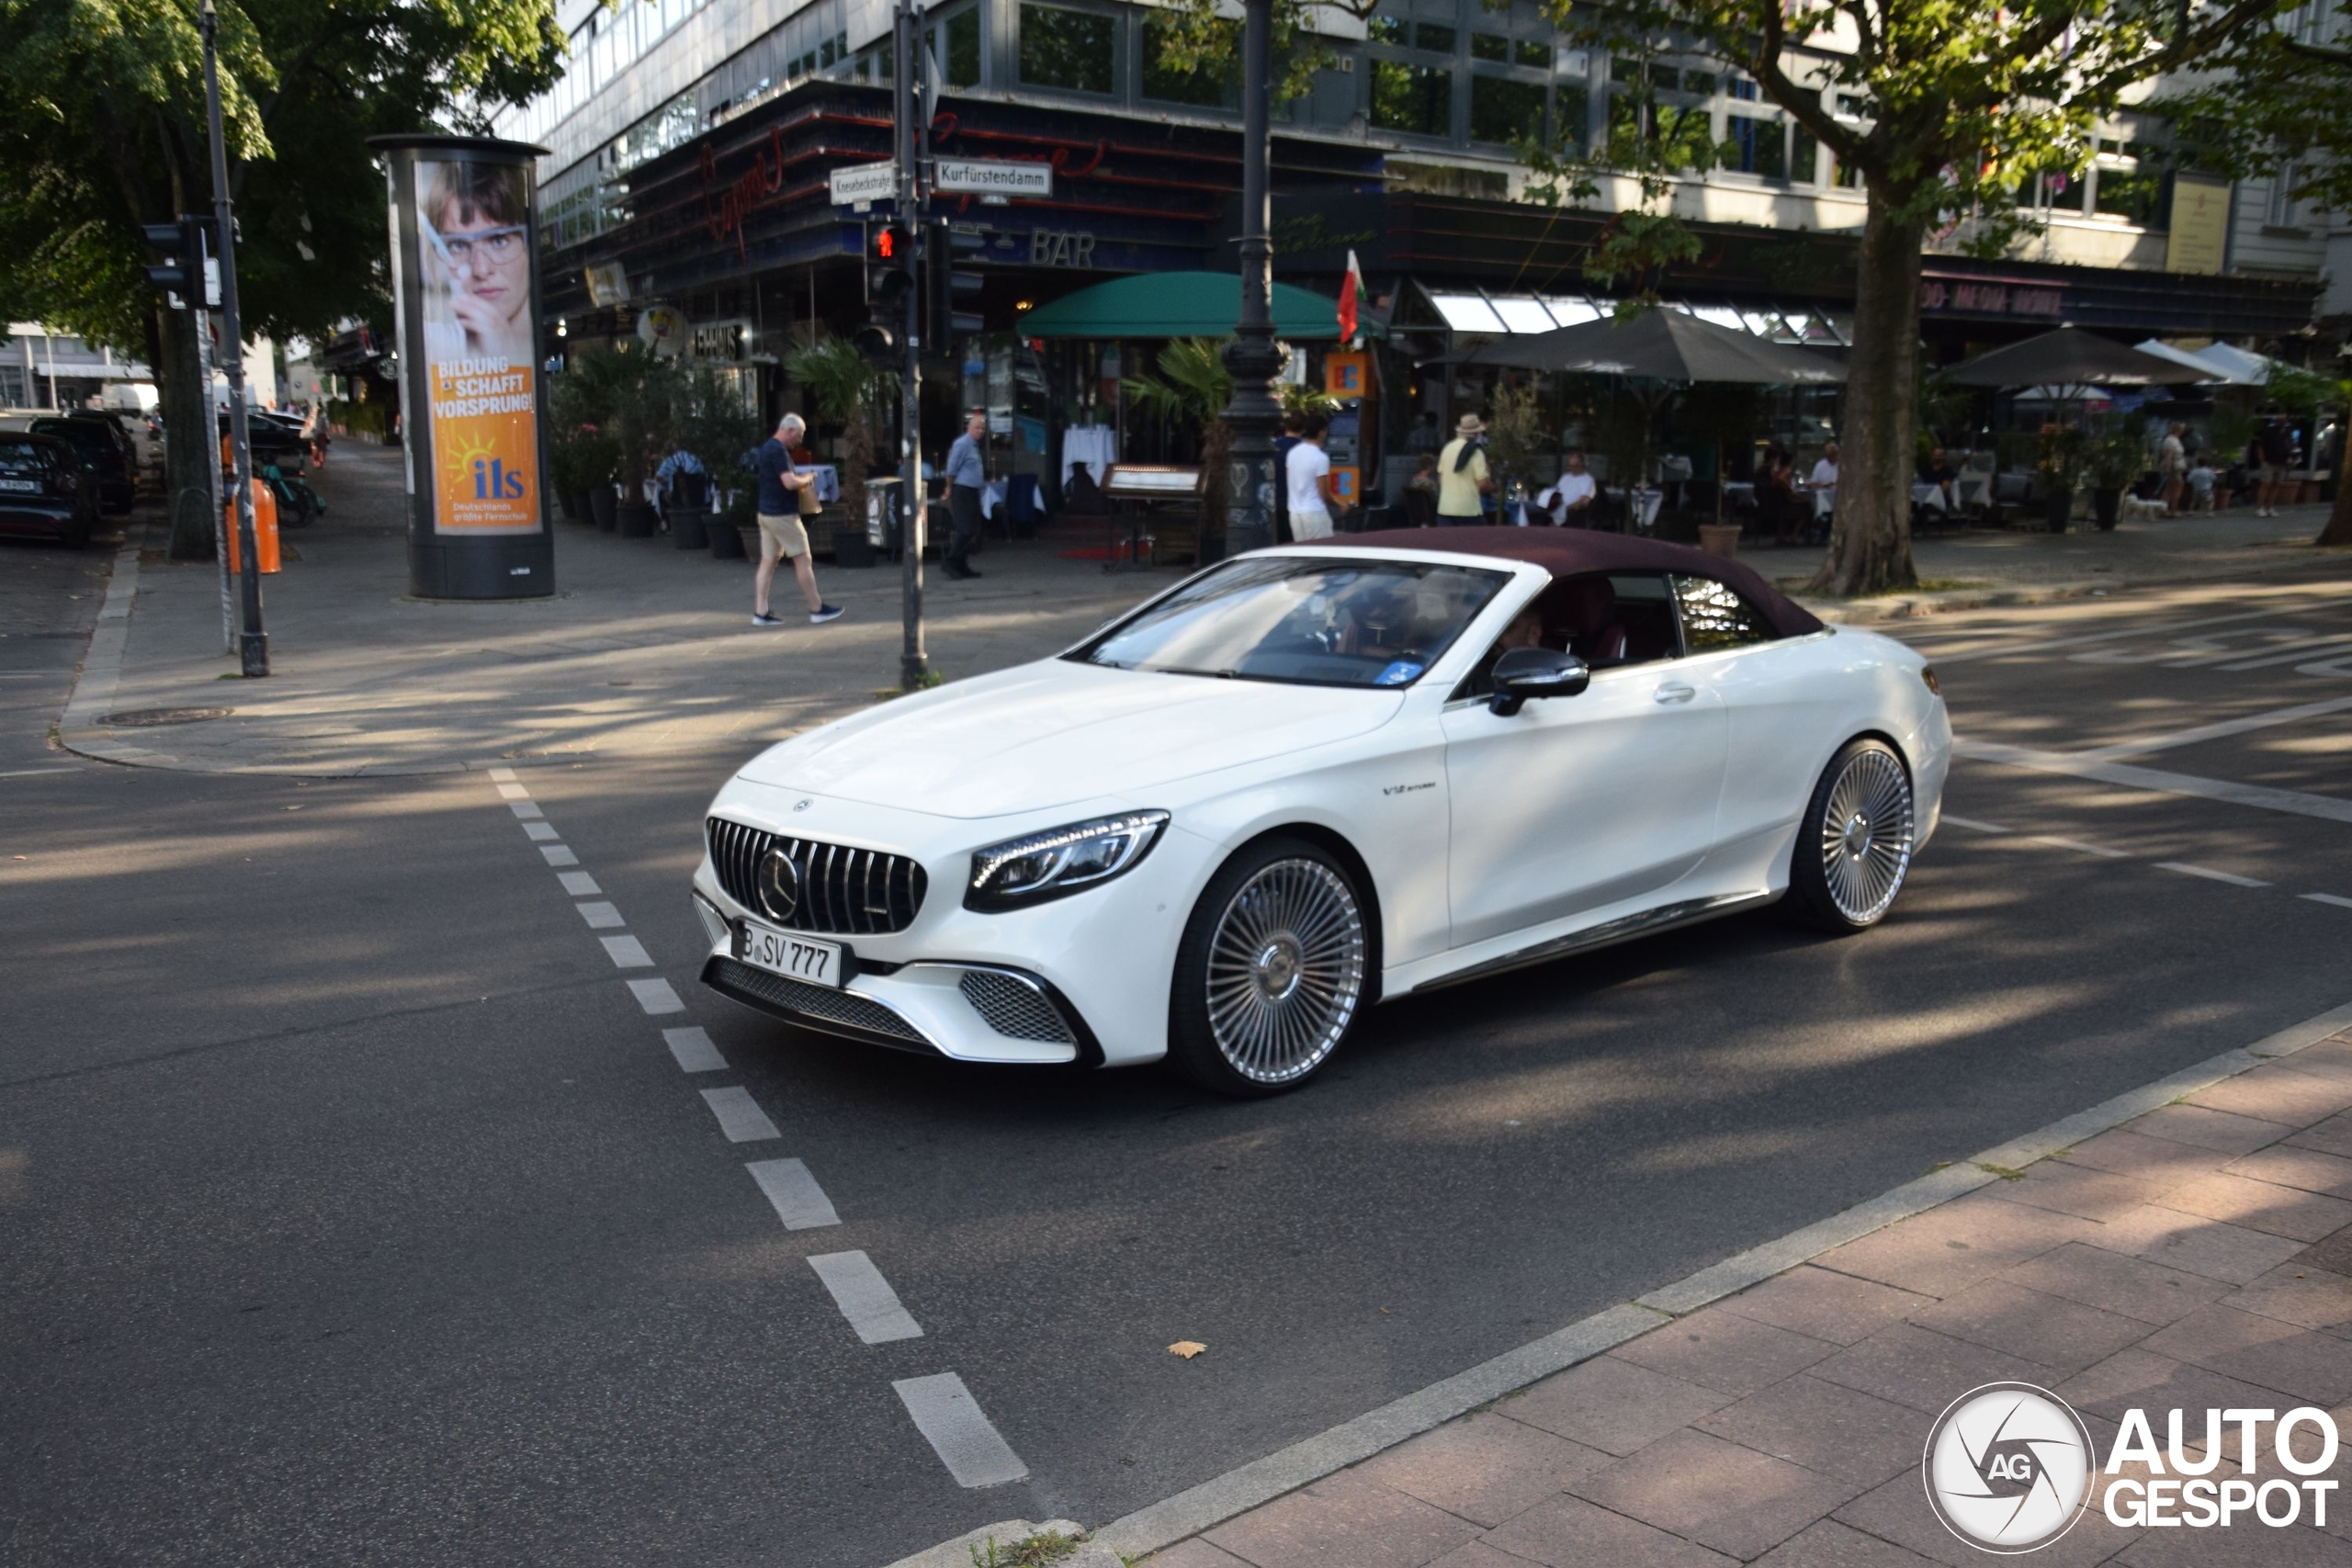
1351 291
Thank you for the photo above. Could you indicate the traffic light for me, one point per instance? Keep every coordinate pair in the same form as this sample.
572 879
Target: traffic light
181 273
890 277
954 294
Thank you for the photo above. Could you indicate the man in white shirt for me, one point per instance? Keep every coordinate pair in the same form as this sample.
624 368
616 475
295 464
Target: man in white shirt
1825 472
1307 478
1569 501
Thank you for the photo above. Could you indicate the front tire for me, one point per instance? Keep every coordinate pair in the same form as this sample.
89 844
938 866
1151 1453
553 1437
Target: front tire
1855 842
1270 974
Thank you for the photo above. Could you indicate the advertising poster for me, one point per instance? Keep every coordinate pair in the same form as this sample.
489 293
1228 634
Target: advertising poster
481 350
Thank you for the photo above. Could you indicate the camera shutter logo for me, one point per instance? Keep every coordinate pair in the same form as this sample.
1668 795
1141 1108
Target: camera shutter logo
779 886
2008 1466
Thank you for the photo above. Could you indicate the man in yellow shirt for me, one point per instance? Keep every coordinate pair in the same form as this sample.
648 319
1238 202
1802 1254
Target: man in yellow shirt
1462 476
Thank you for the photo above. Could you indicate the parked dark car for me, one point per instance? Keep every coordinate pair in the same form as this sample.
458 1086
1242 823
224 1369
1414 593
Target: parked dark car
273 439
103 451
45 489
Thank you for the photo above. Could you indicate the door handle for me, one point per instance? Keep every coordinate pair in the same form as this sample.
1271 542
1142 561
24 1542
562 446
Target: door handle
1674 692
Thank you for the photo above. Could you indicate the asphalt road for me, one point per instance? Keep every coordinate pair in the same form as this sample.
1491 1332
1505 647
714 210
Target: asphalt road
356 1211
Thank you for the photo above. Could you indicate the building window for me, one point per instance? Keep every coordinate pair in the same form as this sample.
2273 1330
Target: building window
2280 211
1503 110
2132 189
1533 53
1434 39
1075 51
1490 46
1755 146
1740 87
959 50
1574 110
1804 157
1206 87
1702 83
1384 30
1845 176
1415 99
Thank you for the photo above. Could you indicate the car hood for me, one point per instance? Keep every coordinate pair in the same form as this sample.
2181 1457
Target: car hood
1056 731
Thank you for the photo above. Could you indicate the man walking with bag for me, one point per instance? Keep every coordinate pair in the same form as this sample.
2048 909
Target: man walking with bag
785 496
967 477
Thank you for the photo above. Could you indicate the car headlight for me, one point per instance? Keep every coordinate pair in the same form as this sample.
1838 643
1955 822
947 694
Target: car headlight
1060 861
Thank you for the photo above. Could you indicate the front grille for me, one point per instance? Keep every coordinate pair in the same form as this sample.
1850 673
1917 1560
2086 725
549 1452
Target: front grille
1017 1010
817 1003
843 892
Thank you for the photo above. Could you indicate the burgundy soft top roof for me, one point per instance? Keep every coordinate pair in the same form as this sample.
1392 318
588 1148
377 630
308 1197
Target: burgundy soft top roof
1570 552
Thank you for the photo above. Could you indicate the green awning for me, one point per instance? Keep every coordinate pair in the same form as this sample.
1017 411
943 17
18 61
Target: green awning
1184 304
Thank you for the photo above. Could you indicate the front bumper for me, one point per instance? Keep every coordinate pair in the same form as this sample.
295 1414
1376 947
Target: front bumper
1081 980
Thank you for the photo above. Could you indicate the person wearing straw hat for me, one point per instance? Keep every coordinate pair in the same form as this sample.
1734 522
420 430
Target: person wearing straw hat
1462 476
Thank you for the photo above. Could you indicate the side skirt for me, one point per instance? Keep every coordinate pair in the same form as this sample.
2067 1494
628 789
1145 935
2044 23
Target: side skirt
1648 922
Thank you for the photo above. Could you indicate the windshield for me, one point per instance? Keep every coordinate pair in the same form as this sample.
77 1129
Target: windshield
1305 621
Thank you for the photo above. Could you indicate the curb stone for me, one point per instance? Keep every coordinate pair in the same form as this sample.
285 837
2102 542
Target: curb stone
1914 606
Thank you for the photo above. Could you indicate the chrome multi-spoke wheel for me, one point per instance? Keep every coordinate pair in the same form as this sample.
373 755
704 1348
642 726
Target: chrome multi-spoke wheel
1272 972
1851 861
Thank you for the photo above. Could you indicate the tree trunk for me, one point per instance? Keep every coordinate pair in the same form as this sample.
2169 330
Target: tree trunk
188 425
2339 516
1870 537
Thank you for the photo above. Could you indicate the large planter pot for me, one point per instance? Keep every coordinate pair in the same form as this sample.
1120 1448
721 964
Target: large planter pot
1719 539
634 519
686 530
852 547
583 507
748 532
2106 505
603 501
726 540
568 501
2056 509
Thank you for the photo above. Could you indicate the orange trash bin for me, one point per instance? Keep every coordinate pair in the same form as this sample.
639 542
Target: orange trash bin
264 530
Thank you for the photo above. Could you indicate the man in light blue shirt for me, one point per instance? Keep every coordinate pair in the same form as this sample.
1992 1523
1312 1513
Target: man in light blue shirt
966 476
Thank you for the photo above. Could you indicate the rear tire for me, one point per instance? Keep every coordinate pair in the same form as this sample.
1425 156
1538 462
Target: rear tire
1855 840
1272 973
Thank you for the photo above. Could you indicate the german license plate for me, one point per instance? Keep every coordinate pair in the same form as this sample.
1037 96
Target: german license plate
22 487
797 957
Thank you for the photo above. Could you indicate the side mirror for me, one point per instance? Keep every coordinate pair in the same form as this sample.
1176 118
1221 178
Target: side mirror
1524 672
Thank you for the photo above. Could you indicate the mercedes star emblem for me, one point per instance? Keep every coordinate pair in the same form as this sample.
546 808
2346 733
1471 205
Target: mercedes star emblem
779 884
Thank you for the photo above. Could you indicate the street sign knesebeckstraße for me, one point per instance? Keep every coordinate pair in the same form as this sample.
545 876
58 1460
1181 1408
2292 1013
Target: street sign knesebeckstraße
993 178
862 183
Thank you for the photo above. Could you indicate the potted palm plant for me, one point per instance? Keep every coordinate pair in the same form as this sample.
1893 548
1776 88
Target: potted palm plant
843 390
2114 460
715 424
1193 388
2058 466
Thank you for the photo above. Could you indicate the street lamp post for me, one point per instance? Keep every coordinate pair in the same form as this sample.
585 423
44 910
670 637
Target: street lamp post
905 58
1251 356
252 643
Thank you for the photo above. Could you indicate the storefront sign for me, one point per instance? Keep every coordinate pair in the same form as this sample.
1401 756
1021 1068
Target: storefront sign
1344 375
1061 247
1987 298
660 328
720 342
2200 223
608 283
992 178
725 207
861 185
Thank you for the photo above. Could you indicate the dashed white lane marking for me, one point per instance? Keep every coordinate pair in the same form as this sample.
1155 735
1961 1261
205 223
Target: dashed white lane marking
627 952
603 917
512 791
2080 847
578 884
540 833
2330 808
694 1050
740 1116
656 996
798 1201
2209 874
2160 629
502 776
35 773
2204 732
526 809
864 1297
1972 825
558 854
952 1423
2339 901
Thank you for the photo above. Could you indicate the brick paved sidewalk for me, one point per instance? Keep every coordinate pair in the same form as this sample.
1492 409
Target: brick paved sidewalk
2198 1257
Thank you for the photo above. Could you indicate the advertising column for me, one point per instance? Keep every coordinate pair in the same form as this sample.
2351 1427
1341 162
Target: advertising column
465 298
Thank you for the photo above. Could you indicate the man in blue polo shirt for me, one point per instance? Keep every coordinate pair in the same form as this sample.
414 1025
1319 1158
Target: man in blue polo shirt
781 533
967 476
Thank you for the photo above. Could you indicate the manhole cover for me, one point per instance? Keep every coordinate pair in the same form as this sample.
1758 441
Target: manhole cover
140 718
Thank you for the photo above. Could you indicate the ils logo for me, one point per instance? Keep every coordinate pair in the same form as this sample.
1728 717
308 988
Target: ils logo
494 481
2008 1466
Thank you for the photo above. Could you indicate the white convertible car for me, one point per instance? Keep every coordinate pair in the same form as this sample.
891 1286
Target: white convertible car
1311 778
